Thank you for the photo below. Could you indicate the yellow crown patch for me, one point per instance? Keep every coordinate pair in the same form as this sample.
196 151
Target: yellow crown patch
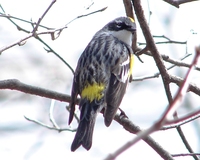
132 20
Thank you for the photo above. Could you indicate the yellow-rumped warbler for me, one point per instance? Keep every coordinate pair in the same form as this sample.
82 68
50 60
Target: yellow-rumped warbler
101 77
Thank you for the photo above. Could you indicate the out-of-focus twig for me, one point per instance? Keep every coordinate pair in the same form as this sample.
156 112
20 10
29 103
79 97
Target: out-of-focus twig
40 19
167 114
185 154
180 122
51 118
176 3
49 127
10 17
50 31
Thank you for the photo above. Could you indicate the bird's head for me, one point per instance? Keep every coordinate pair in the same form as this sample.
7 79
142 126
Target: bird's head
122 28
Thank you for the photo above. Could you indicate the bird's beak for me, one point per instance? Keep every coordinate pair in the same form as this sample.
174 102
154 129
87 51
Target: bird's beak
132 28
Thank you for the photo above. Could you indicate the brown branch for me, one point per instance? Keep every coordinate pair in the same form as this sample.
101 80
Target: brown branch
128 8
185 142
178 81
159 62
132 128
166 58
178 99
129 13
167 114
15 84
181 92
152 47
178 62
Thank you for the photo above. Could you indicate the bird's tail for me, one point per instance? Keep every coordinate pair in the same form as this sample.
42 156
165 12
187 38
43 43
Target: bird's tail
85 128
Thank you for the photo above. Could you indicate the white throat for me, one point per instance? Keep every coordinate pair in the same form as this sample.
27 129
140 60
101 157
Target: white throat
123 35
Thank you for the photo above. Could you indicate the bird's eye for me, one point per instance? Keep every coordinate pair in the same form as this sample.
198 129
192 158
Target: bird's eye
118 24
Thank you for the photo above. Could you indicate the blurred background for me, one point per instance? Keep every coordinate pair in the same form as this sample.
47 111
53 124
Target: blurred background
143 103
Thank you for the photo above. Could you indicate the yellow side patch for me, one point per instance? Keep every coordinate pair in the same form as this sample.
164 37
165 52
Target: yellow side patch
93 91
132 20
131 64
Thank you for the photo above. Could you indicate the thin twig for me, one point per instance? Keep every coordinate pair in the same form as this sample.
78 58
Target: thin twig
185 142
52 33
55 53
23 20
20 19
51 118
168 40
190 119
156 75
185 154
40 19
49 127
152 47
15 43
176 3
84 15
170 60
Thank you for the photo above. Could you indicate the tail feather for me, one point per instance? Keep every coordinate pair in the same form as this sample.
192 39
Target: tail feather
109 114
83 135
85 128
73 101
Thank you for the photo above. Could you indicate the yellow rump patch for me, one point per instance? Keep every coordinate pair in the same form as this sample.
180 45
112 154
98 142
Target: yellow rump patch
131 64
132 20
93 91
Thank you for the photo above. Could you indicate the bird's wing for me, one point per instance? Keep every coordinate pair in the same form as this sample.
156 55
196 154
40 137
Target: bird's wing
118 81
123 70
74 94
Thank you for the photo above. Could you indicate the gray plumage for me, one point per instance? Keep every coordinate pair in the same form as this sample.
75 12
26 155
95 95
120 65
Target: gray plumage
104 65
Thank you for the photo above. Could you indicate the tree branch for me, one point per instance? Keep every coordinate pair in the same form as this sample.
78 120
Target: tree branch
152 47
15 84
192 87
132 128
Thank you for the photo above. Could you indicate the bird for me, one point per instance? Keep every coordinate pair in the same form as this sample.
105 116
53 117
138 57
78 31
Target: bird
101 76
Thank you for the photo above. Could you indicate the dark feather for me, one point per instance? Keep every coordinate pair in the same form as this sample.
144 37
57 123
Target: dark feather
114 97
74 94
85 129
